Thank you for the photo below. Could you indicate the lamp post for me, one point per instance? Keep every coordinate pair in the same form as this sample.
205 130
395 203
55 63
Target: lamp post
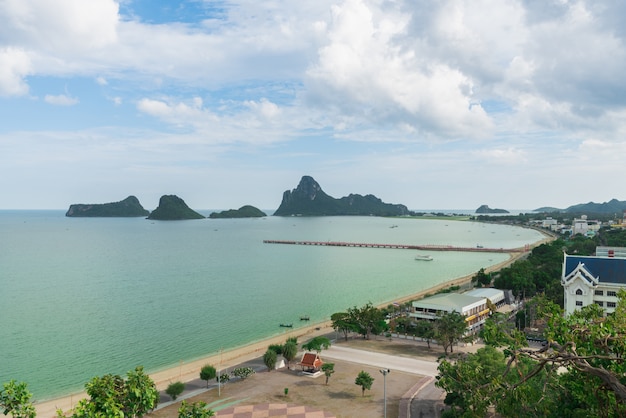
385 372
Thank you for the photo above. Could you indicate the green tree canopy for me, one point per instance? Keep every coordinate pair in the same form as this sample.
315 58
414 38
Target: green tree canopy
365 380
194 410
290 351
317 344
449 329
269 359
175 389
208 372
367 319
579 372
113 396
15 399
328 369
344 323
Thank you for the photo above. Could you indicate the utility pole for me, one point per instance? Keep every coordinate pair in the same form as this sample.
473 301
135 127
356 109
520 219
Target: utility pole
385 372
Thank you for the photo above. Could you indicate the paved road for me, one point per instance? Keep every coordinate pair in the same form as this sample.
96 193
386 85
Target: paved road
409 365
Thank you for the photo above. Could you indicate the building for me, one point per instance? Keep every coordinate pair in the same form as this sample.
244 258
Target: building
496 296
474 308
593 279
584 226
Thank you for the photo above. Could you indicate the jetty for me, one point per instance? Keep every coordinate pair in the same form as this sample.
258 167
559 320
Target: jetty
478 249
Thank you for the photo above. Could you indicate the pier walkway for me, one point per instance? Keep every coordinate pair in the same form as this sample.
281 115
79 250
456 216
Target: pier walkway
399 246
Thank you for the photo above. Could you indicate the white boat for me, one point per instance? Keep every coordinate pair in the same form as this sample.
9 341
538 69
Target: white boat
423 257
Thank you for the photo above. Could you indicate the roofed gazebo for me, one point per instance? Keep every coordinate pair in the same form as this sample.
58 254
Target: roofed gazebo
311 363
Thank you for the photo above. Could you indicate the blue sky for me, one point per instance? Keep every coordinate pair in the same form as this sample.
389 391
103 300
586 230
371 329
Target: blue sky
446 105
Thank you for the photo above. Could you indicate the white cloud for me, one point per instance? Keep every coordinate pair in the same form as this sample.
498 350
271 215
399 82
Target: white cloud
14 66
61 100
373 69
62 25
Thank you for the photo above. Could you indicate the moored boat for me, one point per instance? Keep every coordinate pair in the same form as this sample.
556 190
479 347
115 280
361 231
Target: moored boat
423 257
286 325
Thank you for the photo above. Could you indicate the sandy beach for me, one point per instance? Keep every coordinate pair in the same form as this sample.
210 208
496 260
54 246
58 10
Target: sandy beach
188 371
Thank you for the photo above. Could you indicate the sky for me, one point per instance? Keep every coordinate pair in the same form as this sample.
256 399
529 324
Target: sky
224 103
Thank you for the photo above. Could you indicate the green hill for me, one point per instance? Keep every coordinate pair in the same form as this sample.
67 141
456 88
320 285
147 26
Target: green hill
173 208
246 211
129 207
308 199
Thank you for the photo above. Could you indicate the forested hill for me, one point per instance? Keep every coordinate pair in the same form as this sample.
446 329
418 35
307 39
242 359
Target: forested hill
613 206
308 199
129 207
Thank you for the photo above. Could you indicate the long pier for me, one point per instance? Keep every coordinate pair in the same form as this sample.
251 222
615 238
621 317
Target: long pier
398 246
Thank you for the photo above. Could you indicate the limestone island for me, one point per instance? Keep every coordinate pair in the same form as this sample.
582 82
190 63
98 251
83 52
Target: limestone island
487 209
246 211
308 199
173 208
129 207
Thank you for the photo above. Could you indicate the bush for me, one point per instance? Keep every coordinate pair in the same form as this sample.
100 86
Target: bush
175 389
243 372
223 378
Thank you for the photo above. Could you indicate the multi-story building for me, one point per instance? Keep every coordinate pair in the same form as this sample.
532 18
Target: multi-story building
593 279
474 308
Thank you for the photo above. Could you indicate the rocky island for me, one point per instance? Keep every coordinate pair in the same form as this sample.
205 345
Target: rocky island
173 208
487 209
129 207
308 199
246 211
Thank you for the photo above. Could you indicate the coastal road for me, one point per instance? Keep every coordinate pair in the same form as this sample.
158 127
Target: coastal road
385 361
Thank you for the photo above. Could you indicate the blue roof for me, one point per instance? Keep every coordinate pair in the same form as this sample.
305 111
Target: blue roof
608 270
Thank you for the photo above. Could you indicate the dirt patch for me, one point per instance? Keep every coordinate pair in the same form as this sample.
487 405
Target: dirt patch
341 397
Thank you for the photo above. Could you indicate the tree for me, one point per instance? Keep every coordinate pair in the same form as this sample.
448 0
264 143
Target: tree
481 278
207 372
175 389
367 319
449 329
579 372
290 351
365 380
222 378
328 369
317 344
269 359
141 393
425 329
106 397
15 399
499 332
113 396
342 322
194 410
243 372
469 382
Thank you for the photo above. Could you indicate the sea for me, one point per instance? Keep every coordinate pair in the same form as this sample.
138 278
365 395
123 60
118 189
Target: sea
84 297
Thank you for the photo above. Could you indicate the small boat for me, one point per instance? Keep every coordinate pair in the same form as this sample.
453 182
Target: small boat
286 325
423 257
304 318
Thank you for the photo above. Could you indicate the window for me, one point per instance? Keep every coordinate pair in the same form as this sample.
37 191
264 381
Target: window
579 292
599 293
599 303
610 304
611 293
579 303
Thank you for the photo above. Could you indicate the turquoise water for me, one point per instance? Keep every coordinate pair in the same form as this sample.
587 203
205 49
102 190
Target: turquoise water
83 297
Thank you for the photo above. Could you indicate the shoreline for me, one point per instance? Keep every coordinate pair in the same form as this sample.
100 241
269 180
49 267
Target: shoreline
188 371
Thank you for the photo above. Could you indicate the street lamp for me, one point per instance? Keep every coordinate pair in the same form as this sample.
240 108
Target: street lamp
385 372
